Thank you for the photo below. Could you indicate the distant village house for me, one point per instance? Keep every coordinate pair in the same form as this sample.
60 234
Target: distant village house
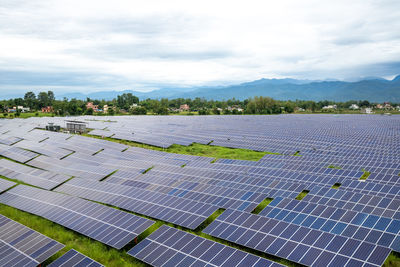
235 107
18 108
329 107
95 108
184 107
367 111
47 109
354 106
90 105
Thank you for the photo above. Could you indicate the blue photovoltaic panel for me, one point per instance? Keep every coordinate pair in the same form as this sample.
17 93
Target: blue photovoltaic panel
22 246
172 247
5 184
357 223
10 256
172 209
74 259
107 225
291 241
30 175
18 154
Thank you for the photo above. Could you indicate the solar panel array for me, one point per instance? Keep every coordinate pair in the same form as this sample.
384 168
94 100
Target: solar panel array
13 257
22 246
187 213
107 225
357 222
17 154
172 247
4 184
74 258
303 244
29 175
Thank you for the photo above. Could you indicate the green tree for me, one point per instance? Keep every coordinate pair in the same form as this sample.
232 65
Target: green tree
89 111
43 99
126 100
138 111
51 97
30 100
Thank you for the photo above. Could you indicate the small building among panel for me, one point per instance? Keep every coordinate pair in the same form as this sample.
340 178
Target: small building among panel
75 126
52 127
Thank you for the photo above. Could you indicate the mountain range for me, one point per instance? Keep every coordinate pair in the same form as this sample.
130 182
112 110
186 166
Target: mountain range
373 89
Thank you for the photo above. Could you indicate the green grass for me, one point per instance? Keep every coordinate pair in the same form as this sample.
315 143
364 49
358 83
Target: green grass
393 260
334 167
108 175
148 169
302 194
26 115
209 220
365 175
297 153
196 149
262 205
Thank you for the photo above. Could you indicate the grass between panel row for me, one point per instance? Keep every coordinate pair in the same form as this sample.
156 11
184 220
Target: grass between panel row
197 149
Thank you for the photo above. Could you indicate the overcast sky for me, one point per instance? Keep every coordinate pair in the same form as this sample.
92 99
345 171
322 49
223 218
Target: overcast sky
86 46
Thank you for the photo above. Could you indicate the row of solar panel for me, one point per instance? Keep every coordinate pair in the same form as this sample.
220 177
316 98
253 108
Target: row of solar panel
22 246
107 225
361 226
29 175
299 244
179 211
172 247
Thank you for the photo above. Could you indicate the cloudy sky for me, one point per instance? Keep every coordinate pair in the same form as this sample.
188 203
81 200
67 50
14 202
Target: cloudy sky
86 46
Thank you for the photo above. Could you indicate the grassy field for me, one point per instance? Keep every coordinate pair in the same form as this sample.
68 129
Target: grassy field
196 149
26 115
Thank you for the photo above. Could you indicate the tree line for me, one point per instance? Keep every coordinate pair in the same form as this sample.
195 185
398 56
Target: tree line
128 103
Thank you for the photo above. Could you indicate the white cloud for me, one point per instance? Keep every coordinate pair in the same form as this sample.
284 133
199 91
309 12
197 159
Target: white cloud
147 44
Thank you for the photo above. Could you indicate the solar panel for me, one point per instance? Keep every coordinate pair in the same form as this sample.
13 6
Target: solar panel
74 258
29 175
10 256
378 230
361 217
18 154
20 245
172 209
172 247
107 225
300 244
5 184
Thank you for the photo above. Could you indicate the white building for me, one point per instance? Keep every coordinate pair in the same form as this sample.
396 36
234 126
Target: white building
22 109
354 106
367 110
329 107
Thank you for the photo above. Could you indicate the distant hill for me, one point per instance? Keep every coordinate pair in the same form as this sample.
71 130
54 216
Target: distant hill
374 89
